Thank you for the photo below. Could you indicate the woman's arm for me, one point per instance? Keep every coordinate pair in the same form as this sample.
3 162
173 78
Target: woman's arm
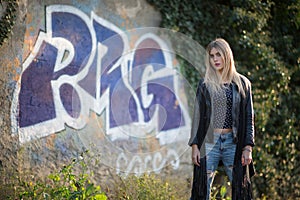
195 123
193 142
249 135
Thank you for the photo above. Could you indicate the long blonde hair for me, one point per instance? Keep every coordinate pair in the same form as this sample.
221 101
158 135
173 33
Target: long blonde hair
214 80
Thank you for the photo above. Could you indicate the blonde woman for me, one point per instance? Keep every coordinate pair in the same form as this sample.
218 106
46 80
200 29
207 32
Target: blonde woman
223 125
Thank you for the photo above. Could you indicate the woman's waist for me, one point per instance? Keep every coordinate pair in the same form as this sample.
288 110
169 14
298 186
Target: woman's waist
222 130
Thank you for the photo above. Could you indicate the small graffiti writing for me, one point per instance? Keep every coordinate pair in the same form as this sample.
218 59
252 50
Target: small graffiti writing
150 163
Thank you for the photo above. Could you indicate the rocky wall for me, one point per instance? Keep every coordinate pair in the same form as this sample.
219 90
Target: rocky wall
97 76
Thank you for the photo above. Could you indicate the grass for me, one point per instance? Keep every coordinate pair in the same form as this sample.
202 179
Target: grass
73 181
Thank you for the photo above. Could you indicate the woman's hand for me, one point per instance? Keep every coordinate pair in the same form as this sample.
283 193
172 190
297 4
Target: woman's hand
195 155
247 155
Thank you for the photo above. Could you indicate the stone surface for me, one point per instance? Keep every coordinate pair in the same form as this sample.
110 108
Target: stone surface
47 154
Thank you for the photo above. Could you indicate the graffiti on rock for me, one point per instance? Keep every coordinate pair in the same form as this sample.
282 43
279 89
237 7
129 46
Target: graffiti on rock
82 64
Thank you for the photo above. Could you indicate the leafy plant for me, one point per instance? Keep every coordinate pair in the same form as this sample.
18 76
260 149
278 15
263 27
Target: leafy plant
8 19
64 184
144 187
220 193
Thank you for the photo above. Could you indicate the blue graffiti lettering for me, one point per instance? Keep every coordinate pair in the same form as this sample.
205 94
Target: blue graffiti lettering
85 63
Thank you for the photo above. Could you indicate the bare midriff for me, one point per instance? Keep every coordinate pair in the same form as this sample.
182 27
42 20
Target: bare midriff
222 131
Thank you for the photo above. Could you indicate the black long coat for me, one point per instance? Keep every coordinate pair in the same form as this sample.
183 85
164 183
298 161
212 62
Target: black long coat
243 131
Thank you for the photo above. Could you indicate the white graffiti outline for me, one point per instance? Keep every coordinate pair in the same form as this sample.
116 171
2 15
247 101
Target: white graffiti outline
100 103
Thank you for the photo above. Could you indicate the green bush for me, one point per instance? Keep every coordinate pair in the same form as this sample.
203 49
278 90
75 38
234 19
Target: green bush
158 187
73 181
8 19
144 187
63 184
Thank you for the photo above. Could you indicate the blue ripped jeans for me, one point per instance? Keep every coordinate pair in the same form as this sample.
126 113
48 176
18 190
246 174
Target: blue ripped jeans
223 149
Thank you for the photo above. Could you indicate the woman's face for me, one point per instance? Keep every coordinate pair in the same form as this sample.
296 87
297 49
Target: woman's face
216 59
